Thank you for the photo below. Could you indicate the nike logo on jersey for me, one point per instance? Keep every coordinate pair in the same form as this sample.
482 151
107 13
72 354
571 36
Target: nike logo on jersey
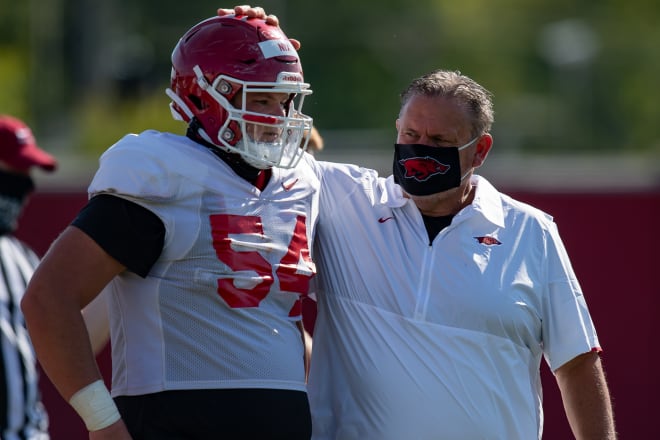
384 219
288 186
488 241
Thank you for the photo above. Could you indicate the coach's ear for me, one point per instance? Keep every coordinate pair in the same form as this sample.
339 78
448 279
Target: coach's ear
484 145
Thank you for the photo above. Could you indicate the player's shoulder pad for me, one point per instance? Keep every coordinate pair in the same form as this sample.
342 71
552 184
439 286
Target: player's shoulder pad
149 165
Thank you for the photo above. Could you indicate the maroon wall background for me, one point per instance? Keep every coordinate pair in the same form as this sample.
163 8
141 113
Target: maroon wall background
612 243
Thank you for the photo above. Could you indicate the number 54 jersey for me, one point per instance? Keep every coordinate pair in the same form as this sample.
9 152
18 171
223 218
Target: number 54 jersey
219 307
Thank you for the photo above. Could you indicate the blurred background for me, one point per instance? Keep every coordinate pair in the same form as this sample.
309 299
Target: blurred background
577 107
574 83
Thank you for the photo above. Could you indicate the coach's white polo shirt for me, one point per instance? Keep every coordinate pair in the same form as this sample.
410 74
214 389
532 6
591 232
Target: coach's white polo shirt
441 340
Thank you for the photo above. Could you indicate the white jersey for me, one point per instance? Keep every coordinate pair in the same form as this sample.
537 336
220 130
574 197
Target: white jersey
441 340
219 307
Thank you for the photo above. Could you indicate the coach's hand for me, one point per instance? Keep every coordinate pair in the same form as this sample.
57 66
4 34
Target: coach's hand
256 12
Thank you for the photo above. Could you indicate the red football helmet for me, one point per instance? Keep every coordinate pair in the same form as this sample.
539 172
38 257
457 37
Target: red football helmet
223 56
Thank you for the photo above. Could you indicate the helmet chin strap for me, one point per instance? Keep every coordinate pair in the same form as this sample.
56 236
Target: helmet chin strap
195 127
207 138
234 160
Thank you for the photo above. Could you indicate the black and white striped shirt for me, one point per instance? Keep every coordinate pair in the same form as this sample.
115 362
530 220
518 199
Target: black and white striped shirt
22 415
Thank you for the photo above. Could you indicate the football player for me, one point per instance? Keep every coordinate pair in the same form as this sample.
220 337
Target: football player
201 247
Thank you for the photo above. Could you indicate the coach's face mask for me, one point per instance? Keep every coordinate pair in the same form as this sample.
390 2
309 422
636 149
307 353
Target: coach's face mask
14 189
422 170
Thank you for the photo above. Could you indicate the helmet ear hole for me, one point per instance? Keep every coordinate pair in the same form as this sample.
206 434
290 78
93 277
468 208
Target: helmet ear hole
197 102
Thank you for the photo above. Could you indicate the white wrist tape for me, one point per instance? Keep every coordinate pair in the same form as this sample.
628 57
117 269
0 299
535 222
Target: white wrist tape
95 406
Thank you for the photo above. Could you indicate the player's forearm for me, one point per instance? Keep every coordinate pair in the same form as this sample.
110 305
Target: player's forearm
61 342
73 272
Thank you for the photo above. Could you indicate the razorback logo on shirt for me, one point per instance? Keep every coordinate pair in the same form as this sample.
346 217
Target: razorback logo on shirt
488 241
422 168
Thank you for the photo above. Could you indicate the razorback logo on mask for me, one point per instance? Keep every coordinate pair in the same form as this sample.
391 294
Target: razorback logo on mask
422 168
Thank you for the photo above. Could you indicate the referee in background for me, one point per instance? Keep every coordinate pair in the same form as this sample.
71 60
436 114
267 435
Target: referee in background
22 415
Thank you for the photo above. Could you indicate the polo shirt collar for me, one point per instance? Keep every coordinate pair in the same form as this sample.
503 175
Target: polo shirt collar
487 200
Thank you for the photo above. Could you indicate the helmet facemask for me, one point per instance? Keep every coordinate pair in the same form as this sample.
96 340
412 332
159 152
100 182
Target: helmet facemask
264 140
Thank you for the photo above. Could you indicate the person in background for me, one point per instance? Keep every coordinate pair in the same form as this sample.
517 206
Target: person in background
200 244
22 414
438 295
315 144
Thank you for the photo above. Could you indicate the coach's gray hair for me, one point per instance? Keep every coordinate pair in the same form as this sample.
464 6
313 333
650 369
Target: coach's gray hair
452 84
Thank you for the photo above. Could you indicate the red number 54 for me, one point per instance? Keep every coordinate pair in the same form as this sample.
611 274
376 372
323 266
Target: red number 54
292 277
